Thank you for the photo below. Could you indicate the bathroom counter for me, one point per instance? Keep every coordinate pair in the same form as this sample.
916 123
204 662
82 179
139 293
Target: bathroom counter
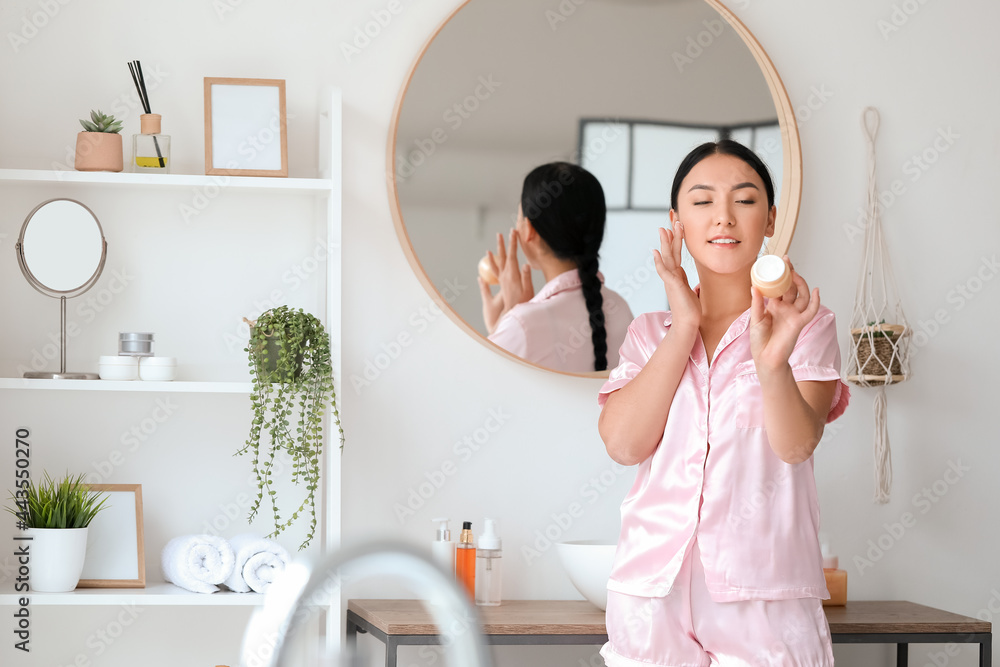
513 617
523 622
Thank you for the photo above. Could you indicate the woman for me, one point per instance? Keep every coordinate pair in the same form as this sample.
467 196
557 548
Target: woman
721 402
574 323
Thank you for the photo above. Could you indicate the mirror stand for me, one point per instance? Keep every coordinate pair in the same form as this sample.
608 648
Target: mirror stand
62 374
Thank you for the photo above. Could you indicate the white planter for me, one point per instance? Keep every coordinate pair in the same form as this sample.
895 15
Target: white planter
56 559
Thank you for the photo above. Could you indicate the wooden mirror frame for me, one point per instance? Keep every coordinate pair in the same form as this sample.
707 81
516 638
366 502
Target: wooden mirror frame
788 204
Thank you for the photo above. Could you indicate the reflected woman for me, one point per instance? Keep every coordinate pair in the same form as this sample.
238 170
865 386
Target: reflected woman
574 323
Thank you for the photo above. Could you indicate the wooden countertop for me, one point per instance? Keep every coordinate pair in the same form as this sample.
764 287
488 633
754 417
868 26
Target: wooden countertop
512 617
579 617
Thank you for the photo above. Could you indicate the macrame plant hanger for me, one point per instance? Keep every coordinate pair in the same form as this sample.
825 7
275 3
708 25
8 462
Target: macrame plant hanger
880 333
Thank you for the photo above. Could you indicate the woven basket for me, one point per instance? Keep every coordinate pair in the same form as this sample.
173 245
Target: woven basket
883 336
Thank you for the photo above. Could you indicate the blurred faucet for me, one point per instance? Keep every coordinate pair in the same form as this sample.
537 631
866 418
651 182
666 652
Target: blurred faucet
294 598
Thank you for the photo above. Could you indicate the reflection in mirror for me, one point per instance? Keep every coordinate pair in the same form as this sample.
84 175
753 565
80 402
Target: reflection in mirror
61 251
508 85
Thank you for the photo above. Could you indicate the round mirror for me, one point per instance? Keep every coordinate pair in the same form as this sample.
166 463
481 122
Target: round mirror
623 88
61 249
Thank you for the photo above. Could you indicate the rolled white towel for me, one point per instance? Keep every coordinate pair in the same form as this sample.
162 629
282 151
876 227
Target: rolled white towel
258 562
198 562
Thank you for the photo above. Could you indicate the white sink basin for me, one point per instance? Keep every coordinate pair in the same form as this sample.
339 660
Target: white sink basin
588 564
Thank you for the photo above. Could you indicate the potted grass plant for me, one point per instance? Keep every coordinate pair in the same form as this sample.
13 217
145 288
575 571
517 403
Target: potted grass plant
292 373
99 146
56 515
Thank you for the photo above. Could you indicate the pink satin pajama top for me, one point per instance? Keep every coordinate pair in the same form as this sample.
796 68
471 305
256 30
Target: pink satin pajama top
756 517
553 328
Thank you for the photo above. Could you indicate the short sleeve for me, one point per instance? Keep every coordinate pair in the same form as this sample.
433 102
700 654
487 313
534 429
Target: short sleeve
816 357
641 339
510 335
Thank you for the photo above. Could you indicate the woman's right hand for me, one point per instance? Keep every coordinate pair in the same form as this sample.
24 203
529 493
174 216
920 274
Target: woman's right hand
684 304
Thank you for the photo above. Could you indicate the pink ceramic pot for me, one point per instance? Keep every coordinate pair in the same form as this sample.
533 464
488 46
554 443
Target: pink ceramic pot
99 151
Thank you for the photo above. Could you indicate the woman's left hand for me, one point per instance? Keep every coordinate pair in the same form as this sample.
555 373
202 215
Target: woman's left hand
776 325
515 283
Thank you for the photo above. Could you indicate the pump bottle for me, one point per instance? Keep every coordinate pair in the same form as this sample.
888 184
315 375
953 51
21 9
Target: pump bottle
443 547
488 566
465 559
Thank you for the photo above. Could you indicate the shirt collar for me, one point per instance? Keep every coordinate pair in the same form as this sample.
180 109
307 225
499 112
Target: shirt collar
565 281
736 329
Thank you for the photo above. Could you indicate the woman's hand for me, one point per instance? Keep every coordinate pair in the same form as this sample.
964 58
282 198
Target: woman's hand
685 308
515 284
775 327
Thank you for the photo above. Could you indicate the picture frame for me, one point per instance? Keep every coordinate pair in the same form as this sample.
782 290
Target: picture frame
246 130
115 553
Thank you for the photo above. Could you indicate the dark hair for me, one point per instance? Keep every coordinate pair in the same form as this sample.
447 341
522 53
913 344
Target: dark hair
565 204
722 147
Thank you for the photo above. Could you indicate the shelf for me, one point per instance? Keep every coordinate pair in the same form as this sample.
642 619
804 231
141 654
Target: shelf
317 185
162 594
129 385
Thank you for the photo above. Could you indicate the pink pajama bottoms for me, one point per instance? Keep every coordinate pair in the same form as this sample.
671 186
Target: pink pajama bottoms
688 629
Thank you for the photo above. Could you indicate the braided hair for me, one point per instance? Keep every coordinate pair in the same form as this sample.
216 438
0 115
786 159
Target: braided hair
565 204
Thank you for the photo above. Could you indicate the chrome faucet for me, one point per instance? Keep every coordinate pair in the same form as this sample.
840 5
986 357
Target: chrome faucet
301 591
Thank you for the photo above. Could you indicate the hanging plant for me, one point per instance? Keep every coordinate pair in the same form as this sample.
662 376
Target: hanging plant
880 352
289 352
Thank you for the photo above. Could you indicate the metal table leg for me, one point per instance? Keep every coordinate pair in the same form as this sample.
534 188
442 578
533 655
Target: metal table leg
902 655
986 651
391 649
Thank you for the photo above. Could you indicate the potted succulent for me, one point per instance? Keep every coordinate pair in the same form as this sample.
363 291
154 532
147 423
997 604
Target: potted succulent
99 146
292 372
56 515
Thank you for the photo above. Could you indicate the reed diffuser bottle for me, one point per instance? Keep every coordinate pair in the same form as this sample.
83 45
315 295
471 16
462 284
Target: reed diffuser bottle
151 149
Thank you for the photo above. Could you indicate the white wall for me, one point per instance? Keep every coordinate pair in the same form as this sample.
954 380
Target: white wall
930 76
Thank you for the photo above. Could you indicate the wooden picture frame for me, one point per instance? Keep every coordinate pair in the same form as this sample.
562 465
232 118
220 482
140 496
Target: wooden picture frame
115 554
246 131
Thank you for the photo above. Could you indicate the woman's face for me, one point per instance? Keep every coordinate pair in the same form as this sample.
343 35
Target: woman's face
722 204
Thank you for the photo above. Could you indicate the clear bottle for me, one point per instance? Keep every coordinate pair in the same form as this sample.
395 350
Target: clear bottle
465 559
488 566
150 150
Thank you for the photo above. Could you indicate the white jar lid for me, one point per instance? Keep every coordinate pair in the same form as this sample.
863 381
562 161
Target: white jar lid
769 268
115 360
158 361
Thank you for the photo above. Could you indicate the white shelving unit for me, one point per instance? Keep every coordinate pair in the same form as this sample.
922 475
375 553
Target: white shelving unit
155 594
122 385
319 186
327 187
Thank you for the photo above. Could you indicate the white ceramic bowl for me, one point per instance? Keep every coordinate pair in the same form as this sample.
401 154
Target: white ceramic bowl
157 369
118 368
588 564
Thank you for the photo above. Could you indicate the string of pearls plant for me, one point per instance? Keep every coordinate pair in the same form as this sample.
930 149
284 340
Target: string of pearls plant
289 353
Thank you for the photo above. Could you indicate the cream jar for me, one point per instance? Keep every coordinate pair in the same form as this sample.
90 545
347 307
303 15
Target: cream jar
771 276
486 271
135 344
157 369
118 368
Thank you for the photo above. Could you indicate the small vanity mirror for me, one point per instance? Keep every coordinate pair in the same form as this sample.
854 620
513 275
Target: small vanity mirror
623 88
61 251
